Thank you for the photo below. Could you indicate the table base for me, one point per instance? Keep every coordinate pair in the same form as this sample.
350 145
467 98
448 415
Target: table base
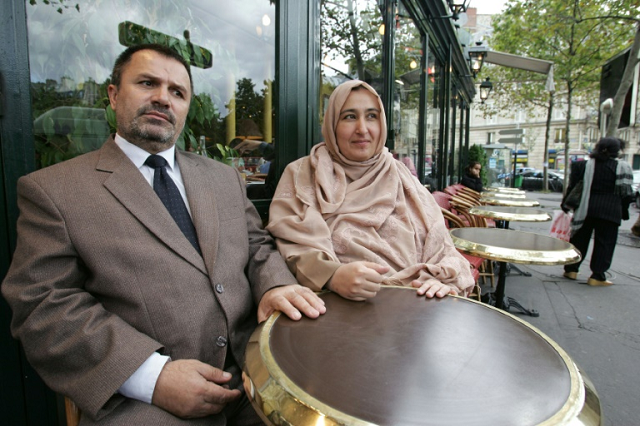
512 267
501 301
507 304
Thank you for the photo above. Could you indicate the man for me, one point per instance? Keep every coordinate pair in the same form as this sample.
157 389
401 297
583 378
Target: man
135 319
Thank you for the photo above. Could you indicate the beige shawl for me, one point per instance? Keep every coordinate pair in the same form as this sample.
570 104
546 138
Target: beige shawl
374 210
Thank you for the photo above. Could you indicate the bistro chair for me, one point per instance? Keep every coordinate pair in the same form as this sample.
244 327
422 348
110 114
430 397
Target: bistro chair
453 221
444 201
72 412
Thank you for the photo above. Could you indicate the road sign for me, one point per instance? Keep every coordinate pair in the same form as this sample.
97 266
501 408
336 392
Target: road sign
511 132
510 140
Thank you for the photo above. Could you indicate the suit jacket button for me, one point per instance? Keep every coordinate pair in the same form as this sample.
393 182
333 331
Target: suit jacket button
221 341
220 288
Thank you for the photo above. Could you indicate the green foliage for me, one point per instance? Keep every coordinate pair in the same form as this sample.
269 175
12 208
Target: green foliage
225 154
572 34
349 32
60 5
477 153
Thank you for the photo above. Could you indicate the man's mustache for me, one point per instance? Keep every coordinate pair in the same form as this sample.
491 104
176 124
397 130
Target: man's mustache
165 111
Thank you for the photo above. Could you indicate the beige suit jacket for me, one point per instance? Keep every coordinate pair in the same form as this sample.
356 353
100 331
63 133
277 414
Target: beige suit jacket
102 277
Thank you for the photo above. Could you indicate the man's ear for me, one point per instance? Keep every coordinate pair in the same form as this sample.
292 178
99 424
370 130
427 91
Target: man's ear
112 91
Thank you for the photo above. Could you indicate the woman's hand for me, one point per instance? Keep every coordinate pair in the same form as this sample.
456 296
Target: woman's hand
431 288
357 280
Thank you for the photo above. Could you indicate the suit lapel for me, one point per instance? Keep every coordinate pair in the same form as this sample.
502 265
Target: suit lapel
127 184
202 203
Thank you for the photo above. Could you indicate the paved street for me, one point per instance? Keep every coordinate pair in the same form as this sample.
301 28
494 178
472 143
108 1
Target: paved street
598 327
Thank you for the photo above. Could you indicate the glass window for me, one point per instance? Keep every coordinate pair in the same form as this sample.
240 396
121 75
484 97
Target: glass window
407 88
351 45
434 73
232 51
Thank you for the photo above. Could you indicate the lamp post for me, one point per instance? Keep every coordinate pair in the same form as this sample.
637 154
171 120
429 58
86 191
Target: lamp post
457 7
485 88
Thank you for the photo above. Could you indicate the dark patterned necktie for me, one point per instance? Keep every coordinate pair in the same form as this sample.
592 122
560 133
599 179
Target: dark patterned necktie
168 192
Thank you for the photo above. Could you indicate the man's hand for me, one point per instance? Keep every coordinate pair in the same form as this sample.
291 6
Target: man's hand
358 280
291 300
431 288
189 388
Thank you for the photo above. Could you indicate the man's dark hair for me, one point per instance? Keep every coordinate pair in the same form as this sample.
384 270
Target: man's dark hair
607 148
125 58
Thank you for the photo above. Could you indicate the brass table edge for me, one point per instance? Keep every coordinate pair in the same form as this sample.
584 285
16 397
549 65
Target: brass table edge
582 406
501 254
511 202
512 217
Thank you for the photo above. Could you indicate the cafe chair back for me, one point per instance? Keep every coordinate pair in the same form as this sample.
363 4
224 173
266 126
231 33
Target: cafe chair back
72 412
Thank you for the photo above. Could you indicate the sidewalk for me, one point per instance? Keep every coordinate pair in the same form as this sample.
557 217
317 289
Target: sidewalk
597 326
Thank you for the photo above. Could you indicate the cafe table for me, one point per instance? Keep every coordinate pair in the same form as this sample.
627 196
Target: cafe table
401 359
509 202
514 195
503 189
511 246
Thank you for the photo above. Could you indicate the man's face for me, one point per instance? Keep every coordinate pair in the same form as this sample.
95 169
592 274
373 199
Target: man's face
152 101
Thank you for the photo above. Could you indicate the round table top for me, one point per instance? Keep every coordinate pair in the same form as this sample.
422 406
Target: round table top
402 359
503 189
515 195
508 245
513 214
510 202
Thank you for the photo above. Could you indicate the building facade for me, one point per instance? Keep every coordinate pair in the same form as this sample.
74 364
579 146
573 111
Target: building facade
262 72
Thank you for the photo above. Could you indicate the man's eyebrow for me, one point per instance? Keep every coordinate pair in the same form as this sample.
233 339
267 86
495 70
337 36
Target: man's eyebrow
175 84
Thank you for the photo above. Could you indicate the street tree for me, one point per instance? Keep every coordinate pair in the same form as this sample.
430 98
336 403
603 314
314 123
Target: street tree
563 32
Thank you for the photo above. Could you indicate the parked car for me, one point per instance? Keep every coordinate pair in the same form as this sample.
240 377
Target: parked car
505 178
533 180
636 187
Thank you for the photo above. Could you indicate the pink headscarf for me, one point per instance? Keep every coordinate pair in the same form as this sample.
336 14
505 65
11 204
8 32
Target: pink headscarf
373 210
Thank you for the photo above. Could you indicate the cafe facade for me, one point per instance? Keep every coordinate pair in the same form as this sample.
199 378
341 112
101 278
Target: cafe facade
262 71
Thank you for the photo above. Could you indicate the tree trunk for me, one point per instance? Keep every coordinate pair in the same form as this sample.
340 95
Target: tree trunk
354 39
567 160
625 84
545 166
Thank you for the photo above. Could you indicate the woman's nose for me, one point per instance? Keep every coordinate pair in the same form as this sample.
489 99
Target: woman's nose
361 126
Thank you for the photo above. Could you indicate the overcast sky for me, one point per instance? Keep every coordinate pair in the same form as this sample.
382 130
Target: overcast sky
488 7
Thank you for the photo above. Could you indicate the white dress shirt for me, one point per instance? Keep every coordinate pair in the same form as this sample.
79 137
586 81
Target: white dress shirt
141 384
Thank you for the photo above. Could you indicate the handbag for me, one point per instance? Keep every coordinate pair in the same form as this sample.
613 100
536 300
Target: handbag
561 225
572 200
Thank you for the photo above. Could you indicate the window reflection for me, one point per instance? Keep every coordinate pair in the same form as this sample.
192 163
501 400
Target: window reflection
71 53
351 43
406 105
434 71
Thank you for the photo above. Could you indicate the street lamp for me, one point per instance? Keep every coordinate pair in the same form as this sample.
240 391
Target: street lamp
476 58
485 88
457 7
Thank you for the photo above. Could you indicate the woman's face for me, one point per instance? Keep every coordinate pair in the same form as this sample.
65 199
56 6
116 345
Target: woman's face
475 170
358 129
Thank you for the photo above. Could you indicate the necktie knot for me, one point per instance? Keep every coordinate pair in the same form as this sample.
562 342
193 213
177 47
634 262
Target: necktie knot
170 196
156 161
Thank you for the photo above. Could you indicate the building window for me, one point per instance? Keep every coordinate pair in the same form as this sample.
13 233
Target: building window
559 135
491 137
232 66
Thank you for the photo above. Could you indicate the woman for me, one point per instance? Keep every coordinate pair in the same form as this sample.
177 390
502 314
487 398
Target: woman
471 178
605 199
349 217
